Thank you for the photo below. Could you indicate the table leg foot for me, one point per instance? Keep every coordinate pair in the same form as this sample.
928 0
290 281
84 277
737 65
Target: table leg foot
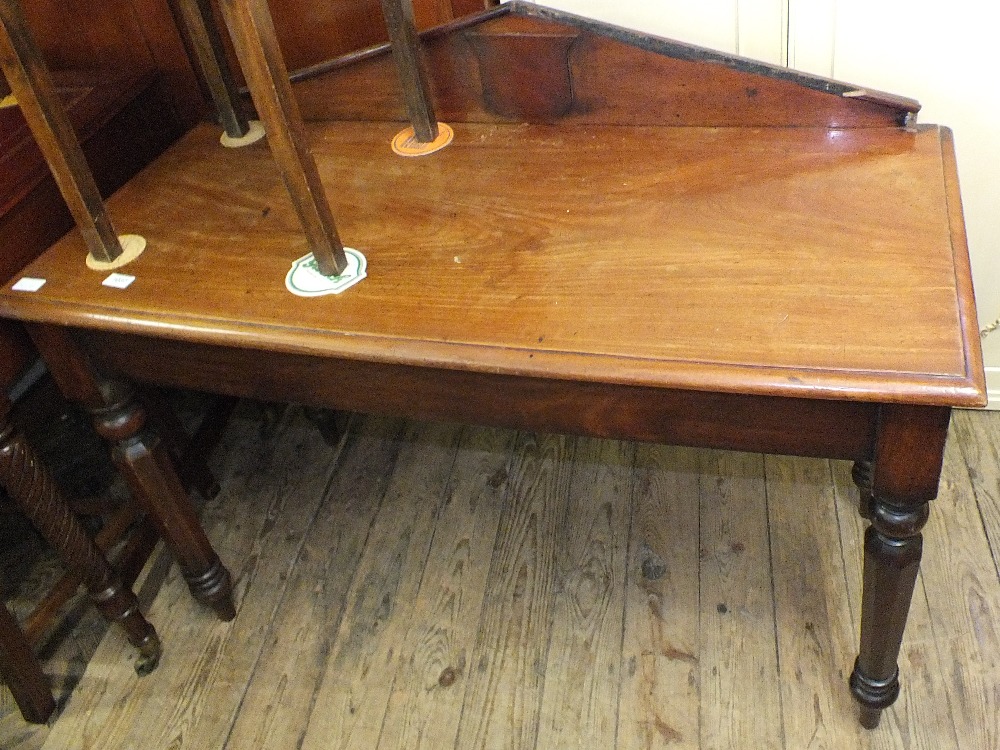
893 547
870 717
149 655
873 696
214 589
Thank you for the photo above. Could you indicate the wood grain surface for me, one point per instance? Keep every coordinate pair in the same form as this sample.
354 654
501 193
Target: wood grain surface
437 650
584 663
736 590
294 658
660 692
503 704
378 607
727 259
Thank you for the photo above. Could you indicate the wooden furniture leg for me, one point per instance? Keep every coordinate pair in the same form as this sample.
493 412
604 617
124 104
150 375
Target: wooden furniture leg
29 483
144 462
189 454
908 455
861 473
21 672
331 423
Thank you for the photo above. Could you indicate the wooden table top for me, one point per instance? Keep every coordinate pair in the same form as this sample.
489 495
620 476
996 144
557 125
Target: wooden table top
786 261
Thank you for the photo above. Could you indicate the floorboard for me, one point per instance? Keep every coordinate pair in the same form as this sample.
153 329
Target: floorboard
350 704
583 672
661 659
438 586
737 606
428 689
281 693
503 701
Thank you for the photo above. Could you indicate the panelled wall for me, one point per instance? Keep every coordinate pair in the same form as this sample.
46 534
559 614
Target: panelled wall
941 54
143 35
138 35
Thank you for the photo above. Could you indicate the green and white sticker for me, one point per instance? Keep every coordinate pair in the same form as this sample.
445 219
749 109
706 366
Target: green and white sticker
305 280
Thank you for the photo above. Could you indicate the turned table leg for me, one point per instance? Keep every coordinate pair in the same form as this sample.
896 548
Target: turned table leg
908 456
143 461
29 483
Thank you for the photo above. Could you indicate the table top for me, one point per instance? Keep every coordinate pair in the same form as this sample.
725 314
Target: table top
784 261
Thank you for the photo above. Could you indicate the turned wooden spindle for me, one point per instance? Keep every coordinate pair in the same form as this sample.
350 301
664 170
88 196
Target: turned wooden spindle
29 483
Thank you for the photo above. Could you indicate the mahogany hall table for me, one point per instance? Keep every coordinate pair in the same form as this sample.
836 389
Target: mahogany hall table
793 290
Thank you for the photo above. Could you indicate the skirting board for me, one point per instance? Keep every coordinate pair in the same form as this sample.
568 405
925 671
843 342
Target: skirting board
993 387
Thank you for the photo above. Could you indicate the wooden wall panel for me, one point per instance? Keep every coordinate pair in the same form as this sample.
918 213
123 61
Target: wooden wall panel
313 31
143 35
137 36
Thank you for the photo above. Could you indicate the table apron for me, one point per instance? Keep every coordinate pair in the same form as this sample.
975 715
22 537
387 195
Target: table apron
769 424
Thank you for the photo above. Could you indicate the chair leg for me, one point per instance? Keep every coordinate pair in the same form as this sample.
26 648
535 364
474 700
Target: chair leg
331 424
21 672
28 482
192 467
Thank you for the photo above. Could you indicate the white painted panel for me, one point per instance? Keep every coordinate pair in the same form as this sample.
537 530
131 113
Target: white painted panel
811 35
993 387
753 28
762 30
709 23
944 55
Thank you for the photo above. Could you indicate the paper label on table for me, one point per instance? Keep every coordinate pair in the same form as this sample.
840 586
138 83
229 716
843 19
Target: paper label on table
28 284
305 280
118 281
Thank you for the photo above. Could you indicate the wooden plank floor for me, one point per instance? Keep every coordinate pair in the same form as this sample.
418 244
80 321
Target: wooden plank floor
437 586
